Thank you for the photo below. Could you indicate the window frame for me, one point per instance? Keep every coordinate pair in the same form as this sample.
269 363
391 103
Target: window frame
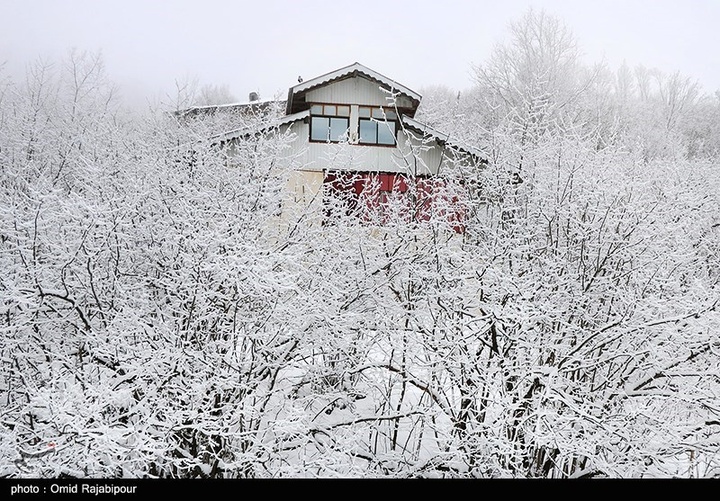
329 115
375 119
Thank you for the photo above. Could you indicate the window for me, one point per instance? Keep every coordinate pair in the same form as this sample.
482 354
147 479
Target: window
329 122
377 126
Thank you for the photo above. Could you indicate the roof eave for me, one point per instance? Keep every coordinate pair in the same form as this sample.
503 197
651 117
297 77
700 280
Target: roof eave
289 102
442 138
347 72
246 131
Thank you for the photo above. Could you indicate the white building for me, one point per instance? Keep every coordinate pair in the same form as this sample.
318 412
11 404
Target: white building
357 126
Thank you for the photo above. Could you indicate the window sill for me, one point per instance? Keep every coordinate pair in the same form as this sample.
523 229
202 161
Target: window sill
316 141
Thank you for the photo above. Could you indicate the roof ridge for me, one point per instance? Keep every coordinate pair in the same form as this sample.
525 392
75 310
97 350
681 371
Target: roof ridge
306 85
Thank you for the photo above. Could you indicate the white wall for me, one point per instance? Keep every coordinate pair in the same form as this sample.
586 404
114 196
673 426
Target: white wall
355 91
408 156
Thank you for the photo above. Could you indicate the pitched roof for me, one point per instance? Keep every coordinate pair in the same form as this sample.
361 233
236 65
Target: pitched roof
255 129
347 71
245 107
440 137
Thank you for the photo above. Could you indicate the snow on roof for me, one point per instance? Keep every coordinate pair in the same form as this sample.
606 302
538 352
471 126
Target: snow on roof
441 137
229 106
243 131
349 70
232 105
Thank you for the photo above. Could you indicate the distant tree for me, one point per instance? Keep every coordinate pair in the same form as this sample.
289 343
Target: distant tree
702 127
210 94
184 95
534 75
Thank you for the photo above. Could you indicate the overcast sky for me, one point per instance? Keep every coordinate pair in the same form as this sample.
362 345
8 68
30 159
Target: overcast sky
263 45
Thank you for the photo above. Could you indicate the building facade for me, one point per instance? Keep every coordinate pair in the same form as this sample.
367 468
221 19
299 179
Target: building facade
356 136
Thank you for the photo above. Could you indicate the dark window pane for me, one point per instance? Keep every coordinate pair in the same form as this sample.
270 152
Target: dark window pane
390 115
319 128
368 131
386 133
338 127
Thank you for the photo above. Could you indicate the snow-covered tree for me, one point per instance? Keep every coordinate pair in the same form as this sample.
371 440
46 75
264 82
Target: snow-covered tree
552 313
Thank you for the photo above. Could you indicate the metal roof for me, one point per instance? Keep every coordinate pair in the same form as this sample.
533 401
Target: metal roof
355 68
240 104
428 131
252 106
244 131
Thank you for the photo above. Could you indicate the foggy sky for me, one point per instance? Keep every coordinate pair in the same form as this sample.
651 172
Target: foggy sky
264 45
